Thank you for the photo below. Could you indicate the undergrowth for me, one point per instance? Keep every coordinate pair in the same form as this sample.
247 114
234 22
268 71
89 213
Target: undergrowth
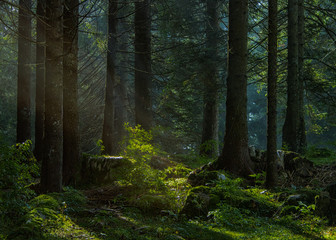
152 205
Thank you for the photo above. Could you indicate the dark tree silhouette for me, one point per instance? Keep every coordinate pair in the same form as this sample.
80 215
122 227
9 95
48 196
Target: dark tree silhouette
51 176
235 156
70 93
108 127
23 130
272 171
142 45
209 143
40 79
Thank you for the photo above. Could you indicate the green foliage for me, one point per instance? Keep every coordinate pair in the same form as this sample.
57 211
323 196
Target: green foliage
260 178
140 150
18 168
47 220
177 171
100 145
320 155
45 201
209 146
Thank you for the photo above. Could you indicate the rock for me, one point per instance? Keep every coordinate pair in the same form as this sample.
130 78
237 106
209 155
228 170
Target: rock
199 202
323 205
252 151
332 193
280 159
326 203
204 177
103 169
294 199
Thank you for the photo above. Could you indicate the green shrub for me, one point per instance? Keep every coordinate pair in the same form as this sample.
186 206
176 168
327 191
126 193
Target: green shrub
139 151
18 168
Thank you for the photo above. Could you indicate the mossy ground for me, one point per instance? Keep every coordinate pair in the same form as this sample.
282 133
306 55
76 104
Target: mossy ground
124 210
243 213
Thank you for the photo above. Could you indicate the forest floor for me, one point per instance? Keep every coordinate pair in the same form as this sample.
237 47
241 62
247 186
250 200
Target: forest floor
117 211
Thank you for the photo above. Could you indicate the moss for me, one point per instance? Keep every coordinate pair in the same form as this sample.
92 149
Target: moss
45 201
154 203
203 177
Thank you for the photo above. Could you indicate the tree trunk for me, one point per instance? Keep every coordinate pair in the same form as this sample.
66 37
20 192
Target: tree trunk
51 178
108 127
40 79
142 45
209 144
70 93
120 88
289 135
235 156
23 130
272 171
302 142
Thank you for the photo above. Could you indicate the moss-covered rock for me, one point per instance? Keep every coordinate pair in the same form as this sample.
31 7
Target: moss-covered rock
199 202
204 177
45 201
103 169
152 203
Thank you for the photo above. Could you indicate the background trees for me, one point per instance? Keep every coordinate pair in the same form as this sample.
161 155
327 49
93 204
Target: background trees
167 53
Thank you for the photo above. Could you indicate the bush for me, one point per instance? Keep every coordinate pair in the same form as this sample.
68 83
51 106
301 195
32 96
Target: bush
139 151
18 168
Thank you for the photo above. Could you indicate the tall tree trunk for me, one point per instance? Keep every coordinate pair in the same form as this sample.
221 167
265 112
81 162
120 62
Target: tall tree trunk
142 45
302 142
209 144
289 135
108 127
23 130
51 178
70 93
40 79
272 171
235 156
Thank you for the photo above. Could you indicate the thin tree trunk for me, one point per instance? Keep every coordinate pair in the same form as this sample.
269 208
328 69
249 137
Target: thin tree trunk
289 137
272 171
70 93
51 179
302 142
142 45
40 79
209 144
120 88
108 127
235 156
23 130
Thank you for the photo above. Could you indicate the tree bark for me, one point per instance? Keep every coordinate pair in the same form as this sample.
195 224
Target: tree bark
272 171
40 79
302 141
209 144
70 93
290 128
142 45
51 178
108 137
235 156
23 130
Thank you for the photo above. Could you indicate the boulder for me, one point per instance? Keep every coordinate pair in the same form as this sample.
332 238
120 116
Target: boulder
204 177
323 205
199 202
103 169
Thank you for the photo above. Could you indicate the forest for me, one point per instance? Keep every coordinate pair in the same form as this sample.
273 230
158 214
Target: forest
167 119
